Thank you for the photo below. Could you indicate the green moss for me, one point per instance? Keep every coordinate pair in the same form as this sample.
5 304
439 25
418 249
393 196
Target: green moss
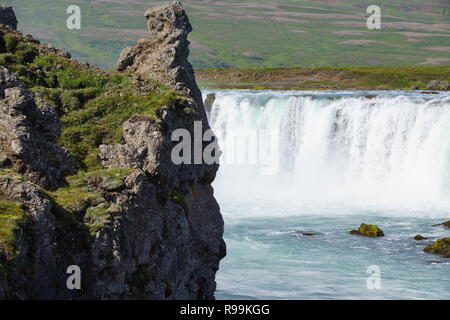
11 216
79 197
93 103
6 59
440 246
368 230
11 42
96 217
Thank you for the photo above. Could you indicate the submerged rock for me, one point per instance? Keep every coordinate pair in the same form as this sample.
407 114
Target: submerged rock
419 237
443 224
440 246
368 230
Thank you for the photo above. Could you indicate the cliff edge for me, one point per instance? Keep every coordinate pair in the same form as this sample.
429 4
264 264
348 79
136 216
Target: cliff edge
86 177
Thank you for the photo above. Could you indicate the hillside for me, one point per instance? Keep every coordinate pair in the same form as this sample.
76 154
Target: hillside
331 78
256 34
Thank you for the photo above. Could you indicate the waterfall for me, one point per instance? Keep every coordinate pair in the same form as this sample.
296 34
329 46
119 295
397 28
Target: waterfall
384 149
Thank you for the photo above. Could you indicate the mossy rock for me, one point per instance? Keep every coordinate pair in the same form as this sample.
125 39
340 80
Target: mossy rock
420 237
368 230
440 246
11 216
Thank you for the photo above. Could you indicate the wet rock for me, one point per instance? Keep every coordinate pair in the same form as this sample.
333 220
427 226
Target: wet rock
444 224
368 230
419 237
440 246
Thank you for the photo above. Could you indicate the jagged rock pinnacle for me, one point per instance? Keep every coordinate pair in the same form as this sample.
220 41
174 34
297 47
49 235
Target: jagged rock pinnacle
164 55
8 17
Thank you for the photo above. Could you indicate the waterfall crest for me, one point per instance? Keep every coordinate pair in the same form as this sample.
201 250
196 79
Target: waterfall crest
387 149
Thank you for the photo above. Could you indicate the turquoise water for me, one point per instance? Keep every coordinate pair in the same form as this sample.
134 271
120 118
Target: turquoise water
343 159
268 260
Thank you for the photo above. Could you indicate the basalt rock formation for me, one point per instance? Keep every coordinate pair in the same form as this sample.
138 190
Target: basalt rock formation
8 17
137 225
27 128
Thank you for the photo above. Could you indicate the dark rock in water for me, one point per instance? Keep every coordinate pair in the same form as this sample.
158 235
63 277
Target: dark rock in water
444 224
419 237
438 85
305 234
440 246
429 92
8 17
368 230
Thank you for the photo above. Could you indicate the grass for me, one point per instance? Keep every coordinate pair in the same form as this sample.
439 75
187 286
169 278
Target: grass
262 34
11 216
342 78
92 103
79 197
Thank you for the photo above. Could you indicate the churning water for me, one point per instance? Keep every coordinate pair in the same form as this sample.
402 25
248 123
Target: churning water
336 159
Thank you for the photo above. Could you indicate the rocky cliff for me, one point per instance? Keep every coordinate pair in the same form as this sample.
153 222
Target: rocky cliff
86 177
8 17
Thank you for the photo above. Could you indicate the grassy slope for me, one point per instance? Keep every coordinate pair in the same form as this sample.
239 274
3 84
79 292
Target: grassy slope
92 105
365 78
256 34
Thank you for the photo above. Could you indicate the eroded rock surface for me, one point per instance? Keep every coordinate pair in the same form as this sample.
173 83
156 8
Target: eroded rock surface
8 17
153 233
27 128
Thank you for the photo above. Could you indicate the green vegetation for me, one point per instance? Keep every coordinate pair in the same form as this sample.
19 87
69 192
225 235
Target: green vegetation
93 103
11 215
81 196
256 34
402 78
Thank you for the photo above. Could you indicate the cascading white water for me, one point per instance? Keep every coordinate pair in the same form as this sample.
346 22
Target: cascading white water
388 150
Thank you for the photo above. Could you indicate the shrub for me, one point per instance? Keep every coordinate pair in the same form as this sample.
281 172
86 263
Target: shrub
11 42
